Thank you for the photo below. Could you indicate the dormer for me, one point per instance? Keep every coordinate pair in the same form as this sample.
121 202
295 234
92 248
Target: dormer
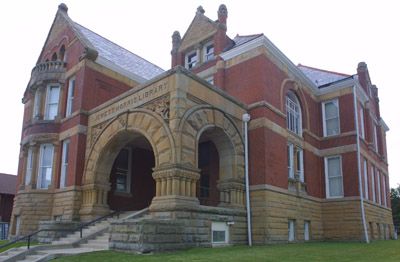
203 41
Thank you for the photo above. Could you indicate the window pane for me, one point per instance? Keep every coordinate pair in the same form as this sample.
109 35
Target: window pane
335 186
54 94
334 167
332 126
218 236
331 110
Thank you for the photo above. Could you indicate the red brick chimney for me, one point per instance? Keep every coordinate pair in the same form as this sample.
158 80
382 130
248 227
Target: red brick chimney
220 38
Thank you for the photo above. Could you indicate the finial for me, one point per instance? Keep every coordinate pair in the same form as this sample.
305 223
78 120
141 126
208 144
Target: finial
200 10
362 65
63 7
222 10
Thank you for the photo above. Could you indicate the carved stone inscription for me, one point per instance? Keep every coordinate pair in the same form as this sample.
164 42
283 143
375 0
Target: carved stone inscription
135 100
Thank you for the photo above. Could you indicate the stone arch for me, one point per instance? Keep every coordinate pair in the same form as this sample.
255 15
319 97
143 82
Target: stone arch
291 85
125 126
229 143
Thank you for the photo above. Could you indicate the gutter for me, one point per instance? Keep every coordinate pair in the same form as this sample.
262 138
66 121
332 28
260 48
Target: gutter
246 119
360 186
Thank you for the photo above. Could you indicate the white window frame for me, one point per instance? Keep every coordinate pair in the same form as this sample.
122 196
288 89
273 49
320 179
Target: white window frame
70 96
191 64
378 174
64 163
128 175
37 103
373 184
365 167
293 114
307 225
300 163
41 167
324 120
290 149
208 56
326 159
49 104
362 133
291 230
29 166
219 227
375 138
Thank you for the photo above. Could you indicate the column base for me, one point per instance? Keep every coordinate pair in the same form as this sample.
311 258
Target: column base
170 203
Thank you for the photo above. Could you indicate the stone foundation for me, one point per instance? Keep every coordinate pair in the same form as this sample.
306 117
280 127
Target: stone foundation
171 230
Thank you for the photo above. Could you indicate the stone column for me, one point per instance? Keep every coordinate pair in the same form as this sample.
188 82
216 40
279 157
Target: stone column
175 188
94 201
231 192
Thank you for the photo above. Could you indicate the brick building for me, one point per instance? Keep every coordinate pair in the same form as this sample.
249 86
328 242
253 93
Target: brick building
104 130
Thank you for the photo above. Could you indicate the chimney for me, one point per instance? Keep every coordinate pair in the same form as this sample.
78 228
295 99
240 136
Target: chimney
363 78
176 43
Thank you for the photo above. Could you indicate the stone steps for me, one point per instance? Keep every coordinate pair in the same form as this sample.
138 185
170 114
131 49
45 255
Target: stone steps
95 238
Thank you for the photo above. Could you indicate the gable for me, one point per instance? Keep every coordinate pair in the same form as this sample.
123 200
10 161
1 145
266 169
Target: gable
200 29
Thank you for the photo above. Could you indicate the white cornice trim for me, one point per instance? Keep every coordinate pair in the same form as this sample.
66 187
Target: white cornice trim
384 125
264 41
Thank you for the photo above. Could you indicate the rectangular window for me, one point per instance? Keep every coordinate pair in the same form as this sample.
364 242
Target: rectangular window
299 166
375 138
331 121
333 177
122 171
307 230
362 130
45 165
290 152
291 230
70 96
378 185
29 164
53 94
208 52
64 163
36 104
373 183
219 233
191 59
366 194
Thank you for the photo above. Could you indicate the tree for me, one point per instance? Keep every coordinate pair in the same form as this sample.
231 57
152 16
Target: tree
395 201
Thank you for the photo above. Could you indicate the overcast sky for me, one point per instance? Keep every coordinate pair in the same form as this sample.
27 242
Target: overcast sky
333 35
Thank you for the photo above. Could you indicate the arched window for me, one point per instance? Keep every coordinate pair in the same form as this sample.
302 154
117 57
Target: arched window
293 113
62 53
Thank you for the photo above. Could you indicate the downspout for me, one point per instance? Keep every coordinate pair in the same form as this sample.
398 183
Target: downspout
246 119
360 186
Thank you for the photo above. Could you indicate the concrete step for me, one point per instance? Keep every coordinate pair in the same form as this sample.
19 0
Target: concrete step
33 258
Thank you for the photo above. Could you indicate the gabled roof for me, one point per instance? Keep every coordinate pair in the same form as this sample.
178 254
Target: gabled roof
109 54
8 184
199 29
321 77
117 57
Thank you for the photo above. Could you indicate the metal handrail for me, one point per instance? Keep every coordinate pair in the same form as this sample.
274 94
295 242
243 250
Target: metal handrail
80 228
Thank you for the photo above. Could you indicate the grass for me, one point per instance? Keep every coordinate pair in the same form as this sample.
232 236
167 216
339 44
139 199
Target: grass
324 252
18 244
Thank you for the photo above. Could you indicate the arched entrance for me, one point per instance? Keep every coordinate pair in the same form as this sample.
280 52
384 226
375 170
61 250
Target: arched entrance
132 186
141 136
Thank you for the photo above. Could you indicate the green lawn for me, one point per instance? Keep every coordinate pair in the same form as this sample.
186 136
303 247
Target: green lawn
325 252
18 244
